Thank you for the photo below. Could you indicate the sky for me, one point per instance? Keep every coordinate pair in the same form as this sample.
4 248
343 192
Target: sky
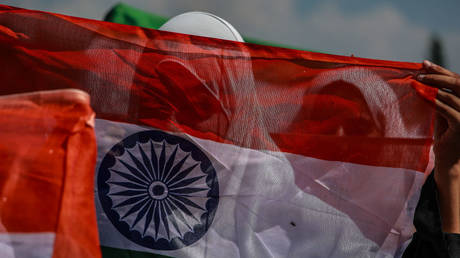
392 29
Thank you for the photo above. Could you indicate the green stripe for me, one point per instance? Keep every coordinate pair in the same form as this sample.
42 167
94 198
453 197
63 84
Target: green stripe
110 252
125 14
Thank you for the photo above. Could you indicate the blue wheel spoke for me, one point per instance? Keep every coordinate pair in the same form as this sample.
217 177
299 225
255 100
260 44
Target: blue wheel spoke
162 160
129 185
185 182
187 190
184 209
154 162
130 177
148 218
182 174
131 201
176 168
169 163
140 167
142 212
128 193
147 163
177 212
134 209
164 219
156 218
134 171
172 218
187 201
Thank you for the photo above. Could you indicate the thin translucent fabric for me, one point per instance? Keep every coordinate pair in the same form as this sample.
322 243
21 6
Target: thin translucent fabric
327 107
249 95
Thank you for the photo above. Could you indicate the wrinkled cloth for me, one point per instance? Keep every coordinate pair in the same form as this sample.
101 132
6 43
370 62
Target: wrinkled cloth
429 240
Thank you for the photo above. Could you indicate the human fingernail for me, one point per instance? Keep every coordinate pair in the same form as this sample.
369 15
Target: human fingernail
420 77
427 63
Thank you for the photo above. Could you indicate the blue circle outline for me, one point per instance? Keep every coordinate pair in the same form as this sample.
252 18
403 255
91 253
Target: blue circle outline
147 241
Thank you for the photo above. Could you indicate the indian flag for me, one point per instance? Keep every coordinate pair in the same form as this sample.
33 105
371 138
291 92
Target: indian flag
214 148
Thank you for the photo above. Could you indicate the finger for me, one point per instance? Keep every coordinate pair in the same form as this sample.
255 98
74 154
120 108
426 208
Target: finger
434 68
447 112
449 99
441 81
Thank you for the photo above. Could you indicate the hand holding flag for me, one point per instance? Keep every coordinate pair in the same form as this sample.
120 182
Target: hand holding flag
447 142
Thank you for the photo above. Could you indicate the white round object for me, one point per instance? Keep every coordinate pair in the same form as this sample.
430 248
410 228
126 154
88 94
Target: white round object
202 24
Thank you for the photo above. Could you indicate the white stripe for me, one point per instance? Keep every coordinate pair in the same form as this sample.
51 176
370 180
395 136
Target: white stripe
285 205
26 245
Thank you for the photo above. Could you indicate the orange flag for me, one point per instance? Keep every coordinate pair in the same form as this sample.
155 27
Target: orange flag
48 152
